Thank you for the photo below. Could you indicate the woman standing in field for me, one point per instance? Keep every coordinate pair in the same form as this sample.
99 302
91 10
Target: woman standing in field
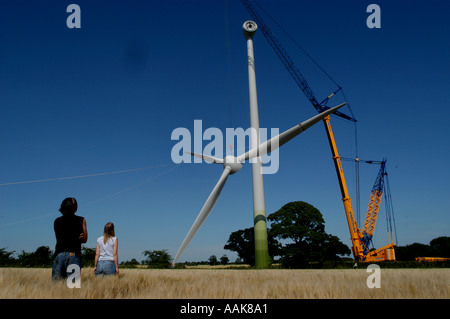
106 258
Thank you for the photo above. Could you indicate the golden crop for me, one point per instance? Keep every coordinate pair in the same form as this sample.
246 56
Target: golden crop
228 284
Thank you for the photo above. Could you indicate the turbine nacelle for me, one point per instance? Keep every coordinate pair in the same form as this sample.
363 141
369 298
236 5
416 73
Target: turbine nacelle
249 29
232 163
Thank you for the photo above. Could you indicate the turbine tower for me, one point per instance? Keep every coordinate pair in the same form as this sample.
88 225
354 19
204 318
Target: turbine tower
262 258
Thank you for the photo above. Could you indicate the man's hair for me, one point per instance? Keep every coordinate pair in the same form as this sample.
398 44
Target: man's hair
68 206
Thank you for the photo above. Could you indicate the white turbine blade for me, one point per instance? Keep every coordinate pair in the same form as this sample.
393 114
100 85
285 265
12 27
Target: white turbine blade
286 136
207 158
204 213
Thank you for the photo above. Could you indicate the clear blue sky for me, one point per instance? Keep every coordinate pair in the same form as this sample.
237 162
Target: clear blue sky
107 97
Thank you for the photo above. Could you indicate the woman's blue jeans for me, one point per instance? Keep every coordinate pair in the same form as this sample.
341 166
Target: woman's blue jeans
105 267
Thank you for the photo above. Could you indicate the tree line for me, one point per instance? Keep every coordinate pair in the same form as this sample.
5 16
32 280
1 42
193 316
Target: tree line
296 234
43 257
296 237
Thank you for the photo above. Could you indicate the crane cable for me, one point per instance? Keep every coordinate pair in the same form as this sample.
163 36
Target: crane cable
228 59
296 43
390 217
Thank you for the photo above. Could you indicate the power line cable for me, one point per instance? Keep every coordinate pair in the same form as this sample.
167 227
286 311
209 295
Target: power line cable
97 200
83 176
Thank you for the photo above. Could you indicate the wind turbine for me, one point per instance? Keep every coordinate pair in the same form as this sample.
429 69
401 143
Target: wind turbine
232 164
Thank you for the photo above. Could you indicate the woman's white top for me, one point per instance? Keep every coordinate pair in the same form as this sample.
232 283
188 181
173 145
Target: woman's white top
106 250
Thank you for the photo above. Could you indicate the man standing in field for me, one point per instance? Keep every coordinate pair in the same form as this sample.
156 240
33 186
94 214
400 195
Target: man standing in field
71 232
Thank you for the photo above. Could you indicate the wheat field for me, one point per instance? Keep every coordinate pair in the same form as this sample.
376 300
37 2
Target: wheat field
31 283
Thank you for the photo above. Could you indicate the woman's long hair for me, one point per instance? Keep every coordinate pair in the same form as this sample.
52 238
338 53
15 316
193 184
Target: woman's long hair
108 232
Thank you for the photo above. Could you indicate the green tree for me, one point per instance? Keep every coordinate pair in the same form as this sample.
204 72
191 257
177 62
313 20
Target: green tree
302 227
438 247
6 259
224 260
212 260
441 246
42 257
243 243
25 259
88 256
130 263
410 252
157 258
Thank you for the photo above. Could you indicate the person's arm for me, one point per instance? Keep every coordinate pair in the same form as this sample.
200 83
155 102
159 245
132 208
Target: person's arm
116 256
56 232
84 235
97 254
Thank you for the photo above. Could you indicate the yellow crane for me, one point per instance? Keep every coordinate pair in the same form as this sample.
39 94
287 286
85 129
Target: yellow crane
360 238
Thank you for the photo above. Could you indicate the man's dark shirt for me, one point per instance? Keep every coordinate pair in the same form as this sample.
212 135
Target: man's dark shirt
67 230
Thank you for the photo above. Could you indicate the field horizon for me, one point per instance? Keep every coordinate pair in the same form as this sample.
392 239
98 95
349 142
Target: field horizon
36 283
